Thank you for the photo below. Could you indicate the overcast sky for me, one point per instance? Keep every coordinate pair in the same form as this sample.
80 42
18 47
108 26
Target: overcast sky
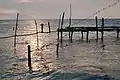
53 8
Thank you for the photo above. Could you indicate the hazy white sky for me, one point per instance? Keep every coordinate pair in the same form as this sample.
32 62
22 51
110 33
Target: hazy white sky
53 8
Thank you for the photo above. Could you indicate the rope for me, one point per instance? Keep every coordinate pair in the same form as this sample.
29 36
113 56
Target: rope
22 35
99 11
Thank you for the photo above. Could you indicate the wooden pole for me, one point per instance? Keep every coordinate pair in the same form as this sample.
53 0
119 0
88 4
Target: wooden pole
29 58
37 34
57 49
102 29
70 20
71 36
96 28
59 26
49 27
16 29
42 27
62 25
117 33
87 35
82 34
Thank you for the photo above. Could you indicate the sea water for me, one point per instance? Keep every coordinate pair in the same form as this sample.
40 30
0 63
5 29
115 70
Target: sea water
79 60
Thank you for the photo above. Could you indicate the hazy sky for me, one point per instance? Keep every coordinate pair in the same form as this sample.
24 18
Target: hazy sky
53 8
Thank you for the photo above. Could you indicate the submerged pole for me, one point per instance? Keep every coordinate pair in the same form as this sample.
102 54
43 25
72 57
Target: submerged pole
16 29
102 29
96 28
49 27
29 58
62 25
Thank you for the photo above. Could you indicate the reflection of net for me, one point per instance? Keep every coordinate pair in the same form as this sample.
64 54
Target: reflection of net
99 11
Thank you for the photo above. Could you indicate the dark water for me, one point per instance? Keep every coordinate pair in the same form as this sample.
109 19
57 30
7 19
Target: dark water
77 61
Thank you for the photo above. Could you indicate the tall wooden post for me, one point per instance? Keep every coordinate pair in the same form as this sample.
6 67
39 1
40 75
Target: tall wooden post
96 28
59 26
102 29
49 27
29 58
16 29
70 20
62 25
37 34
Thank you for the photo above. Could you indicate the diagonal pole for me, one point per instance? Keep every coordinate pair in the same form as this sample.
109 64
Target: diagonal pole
16 29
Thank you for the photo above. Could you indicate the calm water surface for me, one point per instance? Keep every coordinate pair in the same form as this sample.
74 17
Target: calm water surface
76 61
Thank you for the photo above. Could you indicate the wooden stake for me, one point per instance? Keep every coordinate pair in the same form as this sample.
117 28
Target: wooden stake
62 25
102 29
49 27
71 36
117 33
96 28
37 34
59 26
57 49
82 34
87 35
42 27
29 58
16 29
70 20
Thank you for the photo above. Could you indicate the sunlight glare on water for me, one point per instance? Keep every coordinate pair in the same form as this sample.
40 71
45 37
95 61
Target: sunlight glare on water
78 60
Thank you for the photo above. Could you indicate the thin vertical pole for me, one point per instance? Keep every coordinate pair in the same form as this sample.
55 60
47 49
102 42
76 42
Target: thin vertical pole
57 49
37 34
70 16
29 58
102 28
42 27
82 34
96 28
87 35
71 36
49 27
16 29
70 20
62 25
59 26
117 33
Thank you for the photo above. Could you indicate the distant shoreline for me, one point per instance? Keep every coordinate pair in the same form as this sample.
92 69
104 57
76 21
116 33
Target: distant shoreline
57 19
